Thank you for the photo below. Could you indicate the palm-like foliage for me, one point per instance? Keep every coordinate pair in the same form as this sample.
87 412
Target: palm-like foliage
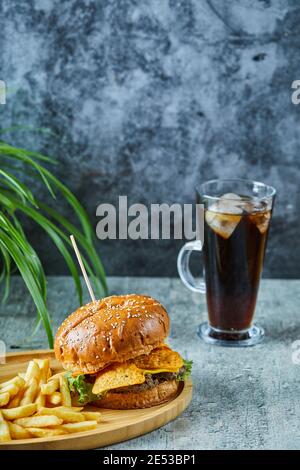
15 250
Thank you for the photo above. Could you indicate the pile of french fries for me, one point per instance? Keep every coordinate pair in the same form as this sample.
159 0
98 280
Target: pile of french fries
38 404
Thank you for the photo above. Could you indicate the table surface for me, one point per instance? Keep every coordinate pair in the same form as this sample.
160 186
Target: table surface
243 398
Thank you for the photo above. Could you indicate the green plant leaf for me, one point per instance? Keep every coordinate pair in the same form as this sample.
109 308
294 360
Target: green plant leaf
26 157
74 203
40 130
55 234
16 196
19 188
6 272
87 246
9 150
17 234
18 256
38 268
51 228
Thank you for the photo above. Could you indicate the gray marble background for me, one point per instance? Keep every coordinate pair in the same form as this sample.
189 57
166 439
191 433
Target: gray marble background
150 98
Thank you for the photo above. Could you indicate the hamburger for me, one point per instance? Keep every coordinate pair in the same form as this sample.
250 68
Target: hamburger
115 353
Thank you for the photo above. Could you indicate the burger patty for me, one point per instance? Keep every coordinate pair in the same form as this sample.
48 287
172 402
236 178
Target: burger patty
151 381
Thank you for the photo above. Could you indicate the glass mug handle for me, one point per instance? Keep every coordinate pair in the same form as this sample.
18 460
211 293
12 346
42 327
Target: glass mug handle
183 267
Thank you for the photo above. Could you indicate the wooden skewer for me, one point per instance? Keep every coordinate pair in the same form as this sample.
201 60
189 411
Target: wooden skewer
87 281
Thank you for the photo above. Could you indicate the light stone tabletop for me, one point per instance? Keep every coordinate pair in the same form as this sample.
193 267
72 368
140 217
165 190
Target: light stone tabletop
243 398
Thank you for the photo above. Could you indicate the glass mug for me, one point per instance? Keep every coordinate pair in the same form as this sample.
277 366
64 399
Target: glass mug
237 215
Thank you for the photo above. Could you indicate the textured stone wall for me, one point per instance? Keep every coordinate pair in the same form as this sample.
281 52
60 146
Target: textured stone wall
150 98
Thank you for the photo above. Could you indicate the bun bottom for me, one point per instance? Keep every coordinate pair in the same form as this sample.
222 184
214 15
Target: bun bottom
157 395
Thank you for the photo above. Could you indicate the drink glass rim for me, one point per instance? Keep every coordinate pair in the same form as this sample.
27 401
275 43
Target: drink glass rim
271 191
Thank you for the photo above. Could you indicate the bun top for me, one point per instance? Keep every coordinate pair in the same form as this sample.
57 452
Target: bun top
113 329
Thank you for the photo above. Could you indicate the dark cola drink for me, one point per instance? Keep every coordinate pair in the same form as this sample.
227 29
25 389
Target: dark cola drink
237 215
235 235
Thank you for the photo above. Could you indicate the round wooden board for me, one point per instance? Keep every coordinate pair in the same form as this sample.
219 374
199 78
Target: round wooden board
115 426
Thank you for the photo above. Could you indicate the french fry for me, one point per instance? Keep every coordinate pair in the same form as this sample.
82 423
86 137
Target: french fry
50 387
40 400
44 365
44 368
17 431
4 398
13 386
65 392
79 427
55 398
32 372
23 399
68 416
39 421
71 408
30 392
91 416
14 402
20 382
44 432
56 376
15 380
19 412
12 389
4 430
7 382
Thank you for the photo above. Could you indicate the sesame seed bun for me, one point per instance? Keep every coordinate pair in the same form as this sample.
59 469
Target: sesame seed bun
113 329
161 393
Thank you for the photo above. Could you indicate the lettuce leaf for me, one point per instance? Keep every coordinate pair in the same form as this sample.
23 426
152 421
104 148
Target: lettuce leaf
187 371
83 389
